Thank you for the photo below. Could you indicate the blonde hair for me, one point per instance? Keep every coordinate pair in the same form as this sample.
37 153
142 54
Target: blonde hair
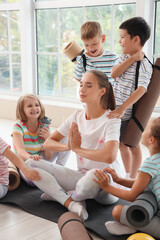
90 30
20 107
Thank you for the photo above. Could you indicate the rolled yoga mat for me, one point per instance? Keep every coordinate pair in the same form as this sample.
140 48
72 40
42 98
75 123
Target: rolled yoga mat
143 110
72 228
14 177
141 211
72 50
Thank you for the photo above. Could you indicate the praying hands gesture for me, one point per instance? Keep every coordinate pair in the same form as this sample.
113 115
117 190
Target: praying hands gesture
74 139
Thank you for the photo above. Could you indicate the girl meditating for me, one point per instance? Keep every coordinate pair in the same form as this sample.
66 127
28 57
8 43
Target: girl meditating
95 140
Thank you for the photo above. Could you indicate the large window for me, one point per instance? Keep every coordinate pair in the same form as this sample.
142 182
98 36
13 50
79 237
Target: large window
56 28
37 64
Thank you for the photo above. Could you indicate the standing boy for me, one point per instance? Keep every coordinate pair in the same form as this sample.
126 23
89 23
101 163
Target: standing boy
133 34
96 57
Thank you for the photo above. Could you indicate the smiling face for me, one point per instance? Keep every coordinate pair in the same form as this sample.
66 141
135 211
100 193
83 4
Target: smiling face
89 90
32 108
94 46
129 45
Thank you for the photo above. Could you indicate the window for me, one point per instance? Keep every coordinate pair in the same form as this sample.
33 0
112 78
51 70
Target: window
10 50
56 27
156 53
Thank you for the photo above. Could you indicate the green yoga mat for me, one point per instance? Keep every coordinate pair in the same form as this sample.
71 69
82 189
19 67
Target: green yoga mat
29 200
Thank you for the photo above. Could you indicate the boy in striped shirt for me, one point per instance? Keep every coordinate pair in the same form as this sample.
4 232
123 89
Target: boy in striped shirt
133 34
96 57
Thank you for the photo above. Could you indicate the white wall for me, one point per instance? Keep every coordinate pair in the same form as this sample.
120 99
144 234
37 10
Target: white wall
56 111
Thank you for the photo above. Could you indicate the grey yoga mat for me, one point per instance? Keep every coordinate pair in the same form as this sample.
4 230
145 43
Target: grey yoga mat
141 211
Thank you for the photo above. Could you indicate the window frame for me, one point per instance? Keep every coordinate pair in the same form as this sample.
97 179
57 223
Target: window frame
27 10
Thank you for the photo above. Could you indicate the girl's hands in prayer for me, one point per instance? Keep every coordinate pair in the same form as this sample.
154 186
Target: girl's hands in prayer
102 179
74 136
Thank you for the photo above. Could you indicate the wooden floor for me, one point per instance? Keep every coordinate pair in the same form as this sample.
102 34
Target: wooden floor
15 224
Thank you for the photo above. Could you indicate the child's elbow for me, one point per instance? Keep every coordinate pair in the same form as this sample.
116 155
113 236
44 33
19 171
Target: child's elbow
110 159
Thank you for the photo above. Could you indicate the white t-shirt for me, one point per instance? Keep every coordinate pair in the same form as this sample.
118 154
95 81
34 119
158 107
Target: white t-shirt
94 133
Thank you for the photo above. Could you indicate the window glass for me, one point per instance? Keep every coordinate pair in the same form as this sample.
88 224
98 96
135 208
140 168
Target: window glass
157 37
9 1
157 30
3 31
71 20
10 60
64 27
122 12
47 30
102 14
48 75
4 72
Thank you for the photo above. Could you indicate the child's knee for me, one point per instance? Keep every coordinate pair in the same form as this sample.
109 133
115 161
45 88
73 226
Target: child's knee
116 213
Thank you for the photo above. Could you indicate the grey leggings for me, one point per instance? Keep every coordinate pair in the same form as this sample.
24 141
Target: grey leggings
56 180
152 228
3 190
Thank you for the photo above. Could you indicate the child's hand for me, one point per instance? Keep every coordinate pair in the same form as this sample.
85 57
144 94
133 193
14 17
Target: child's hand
36 157
44 133
113 174
103 179
75 136
138 56
32 175
117 113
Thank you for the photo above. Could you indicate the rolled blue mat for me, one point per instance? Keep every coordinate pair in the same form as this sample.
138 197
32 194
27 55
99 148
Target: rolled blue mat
141 211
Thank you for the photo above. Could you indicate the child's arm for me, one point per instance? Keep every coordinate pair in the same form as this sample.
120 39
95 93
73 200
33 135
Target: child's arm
138 187
53 143
133 98
29 173
121 68
18 141
121 181
107 154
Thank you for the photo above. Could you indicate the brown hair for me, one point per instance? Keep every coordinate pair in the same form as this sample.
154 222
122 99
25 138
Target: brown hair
90 29
20 107
155 130
107 100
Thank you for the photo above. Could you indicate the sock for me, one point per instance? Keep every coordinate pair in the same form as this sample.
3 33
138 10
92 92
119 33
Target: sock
127 175
78 207
47 197
117 228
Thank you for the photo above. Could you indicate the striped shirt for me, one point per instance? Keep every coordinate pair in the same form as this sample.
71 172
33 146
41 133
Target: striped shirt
151 166
30 139
4 174
125 83
103 63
